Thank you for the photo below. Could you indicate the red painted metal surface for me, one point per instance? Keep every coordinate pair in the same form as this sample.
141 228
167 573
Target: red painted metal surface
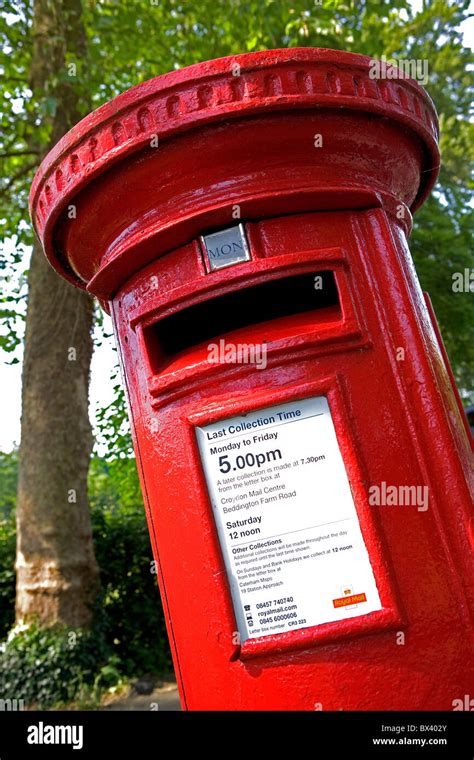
248 141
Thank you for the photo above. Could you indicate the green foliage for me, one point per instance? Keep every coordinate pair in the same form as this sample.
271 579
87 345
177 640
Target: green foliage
46 667
113 426
129 635
439 237
7 573
135 622
8 481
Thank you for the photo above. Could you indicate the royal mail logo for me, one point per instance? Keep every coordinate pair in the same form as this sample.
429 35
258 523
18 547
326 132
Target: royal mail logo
345 601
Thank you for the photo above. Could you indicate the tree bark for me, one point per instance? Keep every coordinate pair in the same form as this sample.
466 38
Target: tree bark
57 575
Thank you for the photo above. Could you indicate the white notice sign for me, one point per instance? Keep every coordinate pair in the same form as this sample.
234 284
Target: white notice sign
286 520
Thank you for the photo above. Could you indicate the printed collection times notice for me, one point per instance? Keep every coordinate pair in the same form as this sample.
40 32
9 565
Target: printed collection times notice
288 528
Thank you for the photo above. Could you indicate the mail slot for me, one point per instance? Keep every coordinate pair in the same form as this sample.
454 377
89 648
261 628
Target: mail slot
303 456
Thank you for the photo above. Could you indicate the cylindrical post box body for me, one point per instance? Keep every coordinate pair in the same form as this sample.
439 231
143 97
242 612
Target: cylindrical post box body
303 455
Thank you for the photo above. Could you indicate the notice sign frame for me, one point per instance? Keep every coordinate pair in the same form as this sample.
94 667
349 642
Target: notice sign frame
286 519
391 617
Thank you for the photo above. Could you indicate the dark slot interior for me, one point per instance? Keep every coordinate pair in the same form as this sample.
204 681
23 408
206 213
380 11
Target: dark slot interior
209 320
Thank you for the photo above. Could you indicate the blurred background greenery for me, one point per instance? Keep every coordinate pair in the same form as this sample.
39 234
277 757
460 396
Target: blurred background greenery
128 634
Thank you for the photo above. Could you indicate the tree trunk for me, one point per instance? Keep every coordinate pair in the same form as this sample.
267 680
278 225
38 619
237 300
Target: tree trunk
57 575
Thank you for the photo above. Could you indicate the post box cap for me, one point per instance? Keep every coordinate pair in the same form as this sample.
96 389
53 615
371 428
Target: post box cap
223 91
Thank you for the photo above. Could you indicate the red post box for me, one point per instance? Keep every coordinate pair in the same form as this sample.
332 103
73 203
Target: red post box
303 456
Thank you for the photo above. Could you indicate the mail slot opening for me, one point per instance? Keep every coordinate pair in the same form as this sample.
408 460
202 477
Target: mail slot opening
312 293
